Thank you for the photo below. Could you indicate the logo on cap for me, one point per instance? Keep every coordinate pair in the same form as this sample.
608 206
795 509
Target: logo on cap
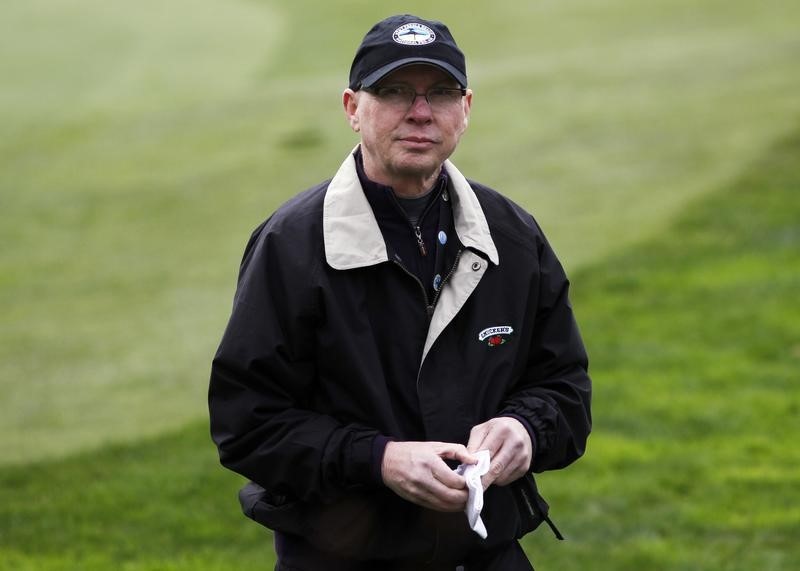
413 35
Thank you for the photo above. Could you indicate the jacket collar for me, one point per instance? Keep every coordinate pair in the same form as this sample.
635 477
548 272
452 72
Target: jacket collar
351 233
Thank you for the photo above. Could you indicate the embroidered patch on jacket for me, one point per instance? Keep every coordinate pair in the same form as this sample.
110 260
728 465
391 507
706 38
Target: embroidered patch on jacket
494 336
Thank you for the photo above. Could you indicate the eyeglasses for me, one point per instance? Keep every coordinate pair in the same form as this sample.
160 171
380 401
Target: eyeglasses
403 97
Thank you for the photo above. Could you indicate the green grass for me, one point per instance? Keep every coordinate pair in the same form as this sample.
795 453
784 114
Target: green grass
140 143
162 504
696 344
692 465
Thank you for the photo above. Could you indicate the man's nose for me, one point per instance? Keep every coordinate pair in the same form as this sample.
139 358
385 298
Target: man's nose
420 108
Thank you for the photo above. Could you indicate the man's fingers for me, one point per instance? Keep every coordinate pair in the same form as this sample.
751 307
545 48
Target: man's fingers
433 493
497 467
442 473
477 436
417 471
444 498
440 504
457 452
510 447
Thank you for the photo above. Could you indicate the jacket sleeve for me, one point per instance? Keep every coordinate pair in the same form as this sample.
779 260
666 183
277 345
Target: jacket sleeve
554 393
262 383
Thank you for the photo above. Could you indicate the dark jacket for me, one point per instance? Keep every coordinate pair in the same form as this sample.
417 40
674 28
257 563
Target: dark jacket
331 348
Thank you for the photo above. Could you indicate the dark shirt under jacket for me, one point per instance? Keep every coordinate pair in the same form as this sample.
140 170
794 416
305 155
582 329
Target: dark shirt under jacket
431 262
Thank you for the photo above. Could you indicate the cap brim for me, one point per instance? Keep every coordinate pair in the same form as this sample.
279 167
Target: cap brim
381 72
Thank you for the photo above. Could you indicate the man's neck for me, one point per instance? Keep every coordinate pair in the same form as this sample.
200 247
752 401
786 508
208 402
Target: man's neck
411 186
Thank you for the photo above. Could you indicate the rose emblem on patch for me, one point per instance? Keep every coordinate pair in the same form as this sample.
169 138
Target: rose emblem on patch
497 335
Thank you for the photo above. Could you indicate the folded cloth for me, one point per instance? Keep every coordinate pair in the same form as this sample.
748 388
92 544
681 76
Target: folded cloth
472 473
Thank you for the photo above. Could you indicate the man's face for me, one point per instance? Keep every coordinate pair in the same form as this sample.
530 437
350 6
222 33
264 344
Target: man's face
406 144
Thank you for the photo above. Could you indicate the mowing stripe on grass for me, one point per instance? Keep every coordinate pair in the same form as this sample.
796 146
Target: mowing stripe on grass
695 340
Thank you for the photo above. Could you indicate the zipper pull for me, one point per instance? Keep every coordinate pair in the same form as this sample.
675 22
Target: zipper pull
420 243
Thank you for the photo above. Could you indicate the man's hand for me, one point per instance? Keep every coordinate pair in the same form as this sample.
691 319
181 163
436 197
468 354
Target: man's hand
510 447
417 472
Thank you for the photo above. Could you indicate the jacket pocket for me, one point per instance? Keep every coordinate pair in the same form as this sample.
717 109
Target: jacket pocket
366 525
532 507
274 512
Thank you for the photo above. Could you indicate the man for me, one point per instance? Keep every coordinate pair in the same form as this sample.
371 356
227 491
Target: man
388 325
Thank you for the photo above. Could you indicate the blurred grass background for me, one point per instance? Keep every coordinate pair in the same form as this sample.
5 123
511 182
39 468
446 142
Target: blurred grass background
657 143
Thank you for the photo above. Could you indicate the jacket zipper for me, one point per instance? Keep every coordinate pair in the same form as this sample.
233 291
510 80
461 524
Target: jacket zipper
435 299
428 307
420 243
418 231
415 227
432 305
447 277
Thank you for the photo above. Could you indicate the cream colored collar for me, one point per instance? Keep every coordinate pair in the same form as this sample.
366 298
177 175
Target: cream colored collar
353 238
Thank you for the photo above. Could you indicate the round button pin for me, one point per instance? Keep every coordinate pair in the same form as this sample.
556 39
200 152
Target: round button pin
476 266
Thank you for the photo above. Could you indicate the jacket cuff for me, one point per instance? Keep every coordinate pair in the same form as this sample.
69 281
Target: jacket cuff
528 427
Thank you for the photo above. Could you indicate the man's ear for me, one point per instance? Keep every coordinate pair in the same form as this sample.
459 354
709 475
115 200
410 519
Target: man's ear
350 104
467 107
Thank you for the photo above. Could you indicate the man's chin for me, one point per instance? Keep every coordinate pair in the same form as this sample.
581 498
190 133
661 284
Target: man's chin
417 165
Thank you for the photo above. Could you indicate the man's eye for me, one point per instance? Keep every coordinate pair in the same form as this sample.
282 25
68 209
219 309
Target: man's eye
391 91
439 92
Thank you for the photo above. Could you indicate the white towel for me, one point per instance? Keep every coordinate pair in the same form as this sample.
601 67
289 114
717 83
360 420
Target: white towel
472 473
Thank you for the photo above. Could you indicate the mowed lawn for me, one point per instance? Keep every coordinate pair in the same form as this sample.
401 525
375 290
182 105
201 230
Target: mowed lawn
693 464
140 143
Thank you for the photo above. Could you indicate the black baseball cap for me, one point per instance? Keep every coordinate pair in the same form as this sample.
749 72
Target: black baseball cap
403 40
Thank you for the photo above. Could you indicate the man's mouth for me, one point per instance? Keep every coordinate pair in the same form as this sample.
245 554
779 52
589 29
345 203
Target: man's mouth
418 141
